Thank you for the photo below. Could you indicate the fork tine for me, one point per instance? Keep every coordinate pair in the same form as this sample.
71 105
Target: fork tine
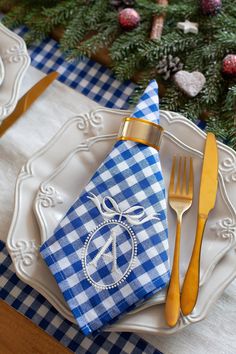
172 176
179 176
184 183
190 184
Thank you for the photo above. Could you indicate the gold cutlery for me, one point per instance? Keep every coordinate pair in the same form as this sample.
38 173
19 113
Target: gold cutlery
207 197
180 200
27 100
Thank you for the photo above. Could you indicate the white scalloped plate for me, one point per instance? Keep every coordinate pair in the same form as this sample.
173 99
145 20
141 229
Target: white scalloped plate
59 191
15 61
24 236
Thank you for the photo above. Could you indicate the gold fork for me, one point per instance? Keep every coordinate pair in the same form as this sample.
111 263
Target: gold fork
180 200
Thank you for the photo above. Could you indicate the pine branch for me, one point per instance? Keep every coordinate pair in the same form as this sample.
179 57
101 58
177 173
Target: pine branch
15 18
96 13
93 24
181 10
128 42
229 105
171 100
192 109
226 39
61 13
74 33
127 67
171 43
223 131
101 40
214 85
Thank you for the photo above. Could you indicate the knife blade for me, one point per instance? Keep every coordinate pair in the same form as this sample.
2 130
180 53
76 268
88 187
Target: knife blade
207 198
27 100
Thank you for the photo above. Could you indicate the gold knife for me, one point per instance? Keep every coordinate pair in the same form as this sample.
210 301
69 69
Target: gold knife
27 100
207 198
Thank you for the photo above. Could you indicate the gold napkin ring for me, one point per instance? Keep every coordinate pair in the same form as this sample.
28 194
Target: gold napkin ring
141 131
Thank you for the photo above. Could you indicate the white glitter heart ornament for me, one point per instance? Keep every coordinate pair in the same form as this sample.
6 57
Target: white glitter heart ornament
190 83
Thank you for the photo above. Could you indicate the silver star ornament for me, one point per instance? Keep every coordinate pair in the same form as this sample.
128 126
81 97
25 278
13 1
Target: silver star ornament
188 27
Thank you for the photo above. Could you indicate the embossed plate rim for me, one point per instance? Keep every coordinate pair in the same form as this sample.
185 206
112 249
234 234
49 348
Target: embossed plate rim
173 119
17 43
168 117
48 185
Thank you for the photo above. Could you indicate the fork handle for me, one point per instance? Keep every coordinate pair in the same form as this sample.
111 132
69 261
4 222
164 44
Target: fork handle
190 287
172 306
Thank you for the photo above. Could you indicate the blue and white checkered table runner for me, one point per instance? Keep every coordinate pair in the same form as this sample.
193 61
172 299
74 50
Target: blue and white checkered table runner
100 85
33 305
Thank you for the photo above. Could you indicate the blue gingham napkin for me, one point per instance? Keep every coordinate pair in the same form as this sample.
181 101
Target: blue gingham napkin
110 251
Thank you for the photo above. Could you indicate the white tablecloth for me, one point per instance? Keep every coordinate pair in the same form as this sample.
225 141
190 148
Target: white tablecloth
217 333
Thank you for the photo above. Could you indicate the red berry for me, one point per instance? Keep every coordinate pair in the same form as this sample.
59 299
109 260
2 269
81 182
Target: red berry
129 18
229 65
211 7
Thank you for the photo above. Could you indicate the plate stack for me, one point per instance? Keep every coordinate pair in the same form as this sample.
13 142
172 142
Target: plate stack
53 178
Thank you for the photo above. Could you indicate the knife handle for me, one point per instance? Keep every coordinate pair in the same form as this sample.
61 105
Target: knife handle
191 281
27 100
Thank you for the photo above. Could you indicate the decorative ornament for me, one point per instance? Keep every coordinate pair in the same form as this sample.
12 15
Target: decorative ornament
190 83
129 18
229 66
188 27
211 7
158 22
169 65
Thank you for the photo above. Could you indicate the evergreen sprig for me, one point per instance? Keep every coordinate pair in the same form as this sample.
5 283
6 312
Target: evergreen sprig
90 25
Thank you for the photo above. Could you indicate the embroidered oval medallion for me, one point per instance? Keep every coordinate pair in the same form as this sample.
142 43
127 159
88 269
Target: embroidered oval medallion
109 253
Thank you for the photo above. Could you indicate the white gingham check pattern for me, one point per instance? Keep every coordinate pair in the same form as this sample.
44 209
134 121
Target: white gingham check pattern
34 306
131 176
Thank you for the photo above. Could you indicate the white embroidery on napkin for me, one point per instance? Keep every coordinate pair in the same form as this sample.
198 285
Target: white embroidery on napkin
110 256
134 215
106 259
111 241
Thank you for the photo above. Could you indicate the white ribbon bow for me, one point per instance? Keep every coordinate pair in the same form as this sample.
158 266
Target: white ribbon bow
134 215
